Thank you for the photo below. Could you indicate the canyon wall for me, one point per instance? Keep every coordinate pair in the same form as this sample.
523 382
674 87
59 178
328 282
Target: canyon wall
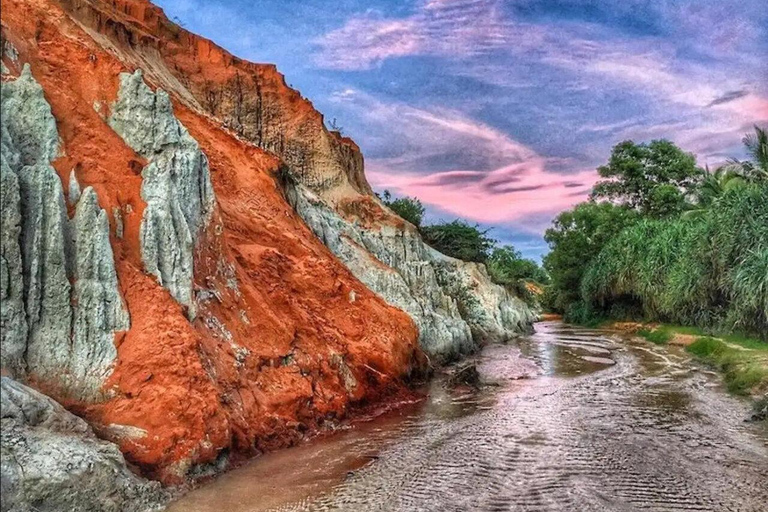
191 262
455 304
171 297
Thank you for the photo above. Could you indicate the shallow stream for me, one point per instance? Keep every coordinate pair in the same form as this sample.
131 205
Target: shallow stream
569 420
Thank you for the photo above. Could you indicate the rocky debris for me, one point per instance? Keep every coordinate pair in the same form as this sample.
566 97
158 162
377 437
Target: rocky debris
760 409
51 460
43 250
176 184
464 374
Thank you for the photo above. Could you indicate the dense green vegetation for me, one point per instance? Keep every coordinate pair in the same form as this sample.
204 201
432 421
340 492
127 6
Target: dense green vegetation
459 240
697 255
469 242
576 238
709 270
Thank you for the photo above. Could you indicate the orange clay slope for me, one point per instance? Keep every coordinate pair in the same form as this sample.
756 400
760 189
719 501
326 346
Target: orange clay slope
252 100
285 339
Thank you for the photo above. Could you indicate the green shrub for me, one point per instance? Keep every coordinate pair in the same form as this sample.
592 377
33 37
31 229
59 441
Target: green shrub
459 240
707 347
409 208
506 266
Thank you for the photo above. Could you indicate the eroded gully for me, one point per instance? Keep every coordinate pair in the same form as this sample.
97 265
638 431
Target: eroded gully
569 420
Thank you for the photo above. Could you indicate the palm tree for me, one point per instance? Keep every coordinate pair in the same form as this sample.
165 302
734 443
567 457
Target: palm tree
757 145
755 169
717 183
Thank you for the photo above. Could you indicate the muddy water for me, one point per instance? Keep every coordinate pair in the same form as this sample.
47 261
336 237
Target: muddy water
596 424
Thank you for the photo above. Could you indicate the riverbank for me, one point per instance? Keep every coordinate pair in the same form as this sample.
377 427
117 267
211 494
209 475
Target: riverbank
742 360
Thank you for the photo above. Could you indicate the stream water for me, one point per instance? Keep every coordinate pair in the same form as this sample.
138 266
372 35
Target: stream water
569 420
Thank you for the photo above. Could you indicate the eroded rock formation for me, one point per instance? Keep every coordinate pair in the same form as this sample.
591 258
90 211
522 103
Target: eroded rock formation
176 184
59 333
454 303
334 197
51 460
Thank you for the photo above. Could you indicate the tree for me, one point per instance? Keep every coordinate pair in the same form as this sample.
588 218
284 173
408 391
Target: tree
506 266
756 169
459 240
409 208
653 178
715 184
575 239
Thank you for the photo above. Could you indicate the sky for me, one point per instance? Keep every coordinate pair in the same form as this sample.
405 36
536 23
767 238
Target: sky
499 111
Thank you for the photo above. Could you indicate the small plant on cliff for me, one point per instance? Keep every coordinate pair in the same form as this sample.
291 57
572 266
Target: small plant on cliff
459 290
459 240
334 126
409 208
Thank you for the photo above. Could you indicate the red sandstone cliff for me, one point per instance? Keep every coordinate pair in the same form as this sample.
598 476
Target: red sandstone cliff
300 340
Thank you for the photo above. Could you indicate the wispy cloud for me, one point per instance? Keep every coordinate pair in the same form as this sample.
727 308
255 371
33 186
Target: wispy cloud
493 178
463 30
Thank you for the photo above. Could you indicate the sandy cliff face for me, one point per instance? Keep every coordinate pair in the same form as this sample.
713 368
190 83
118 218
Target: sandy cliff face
454 304
172 297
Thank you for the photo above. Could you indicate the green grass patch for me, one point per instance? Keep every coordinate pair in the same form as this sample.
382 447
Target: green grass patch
746 342
707 347
743 340
743 371
683 329
657 336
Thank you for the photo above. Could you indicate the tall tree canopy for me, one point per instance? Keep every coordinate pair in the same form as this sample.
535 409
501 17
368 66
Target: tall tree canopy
653 178
575 239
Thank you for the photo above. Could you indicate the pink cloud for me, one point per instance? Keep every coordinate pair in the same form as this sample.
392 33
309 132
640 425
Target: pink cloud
536 193
509 182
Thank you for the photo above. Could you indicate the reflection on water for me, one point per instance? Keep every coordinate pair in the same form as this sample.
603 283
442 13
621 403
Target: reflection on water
575 420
